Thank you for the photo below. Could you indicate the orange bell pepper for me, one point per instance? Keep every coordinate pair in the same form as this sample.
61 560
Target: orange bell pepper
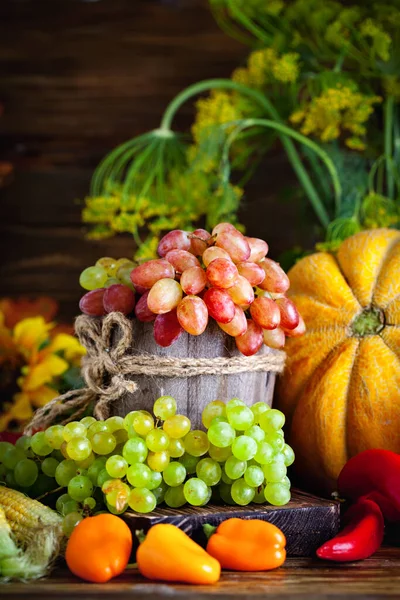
99 548
243 545
168 554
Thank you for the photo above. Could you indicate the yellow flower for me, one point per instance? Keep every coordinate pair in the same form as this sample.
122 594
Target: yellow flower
218 108
266 66
69 345
381 41
30 334
334 111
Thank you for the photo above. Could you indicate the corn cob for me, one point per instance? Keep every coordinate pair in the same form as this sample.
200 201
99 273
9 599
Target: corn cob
30 536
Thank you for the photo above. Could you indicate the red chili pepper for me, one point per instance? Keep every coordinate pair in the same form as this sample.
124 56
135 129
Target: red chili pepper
361 536
374 474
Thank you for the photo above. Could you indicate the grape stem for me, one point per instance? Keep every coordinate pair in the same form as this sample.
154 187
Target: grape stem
209 530
50 492
291 151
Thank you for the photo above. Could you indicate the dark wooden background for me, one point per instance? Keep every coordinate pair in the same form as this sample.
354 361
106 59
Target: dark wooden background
78 78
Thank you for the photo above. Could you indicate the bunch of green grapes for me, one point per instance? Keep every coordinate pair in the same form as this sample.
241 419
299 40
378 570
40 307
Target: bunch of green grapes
110 287
143 460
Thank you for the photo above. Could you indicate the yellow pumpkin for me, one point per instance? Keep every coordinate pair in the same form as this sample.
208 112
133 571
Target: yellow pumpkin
341 388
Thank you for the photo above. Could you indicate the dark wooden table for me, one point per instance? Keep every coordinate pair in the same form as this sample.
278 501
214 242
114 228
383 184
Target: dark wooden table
300 578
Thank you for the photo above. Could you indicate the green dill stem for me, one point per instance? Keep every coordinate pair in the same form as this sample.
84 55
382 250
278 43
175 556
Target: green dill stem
213 84
389 109
248 23
312 146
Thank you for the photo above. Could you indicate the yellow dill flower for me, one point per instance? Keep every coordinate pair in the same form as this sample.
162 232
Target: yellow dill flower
218 108
381 41
334 111
286 68
266 66
379 211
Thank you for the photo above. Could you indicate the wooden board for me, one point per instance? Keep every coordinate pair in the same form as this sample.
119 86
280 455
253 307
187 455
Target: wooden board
193 393
306 521
377 578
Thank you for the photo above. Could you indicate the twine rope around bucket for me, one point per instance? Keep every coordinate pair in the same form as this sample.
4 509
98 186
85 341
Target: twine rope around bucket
111 361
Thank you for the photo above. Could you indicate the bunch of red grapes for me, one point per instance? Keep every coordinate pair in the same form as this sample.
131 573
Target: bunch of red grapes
223 275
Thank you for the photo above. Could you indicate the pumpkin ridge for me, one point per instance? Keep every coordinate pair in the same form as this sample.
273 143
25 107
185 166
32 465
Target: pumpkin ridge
346 279
348 390
387 345
385 259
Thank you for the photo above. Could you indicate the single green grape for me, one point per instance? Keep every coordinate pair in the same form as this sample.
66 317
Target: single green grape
272 420
264 453
65 471
70 506
142 500
209 471
157 440
275 470
195 491
258 409
88 421
121 436
189 462
26 472
49 466
89 503
80 487
174 497
254 476
139 475
115 511
155 481
242 493
10 480
108 263
40 445
286 481
256 433
288 454
157 461
209 494
124 275
174 474
177 426
13 456
4 446
61 500
275 440
70 521
176 448
142 423
23 442
221 434
213 409
102 477
103 442
93 278
233 403
240 417
97 427
85 464
196 443
97 465
219 454
135 450
111 281
74 429
116 466
225 493
160 491
55 436
235 468
277 494
244 447
79 448
114 423
164 407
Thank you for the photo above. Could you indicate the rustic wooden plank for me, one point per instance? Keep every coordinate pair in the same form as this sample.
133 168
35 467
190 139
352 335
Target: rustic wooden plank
193 393
306 521
377 578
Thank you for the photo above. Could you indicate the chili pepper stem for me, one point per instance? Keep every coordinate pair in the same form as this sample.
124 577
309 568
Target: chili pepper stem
209 530
141 536
131 566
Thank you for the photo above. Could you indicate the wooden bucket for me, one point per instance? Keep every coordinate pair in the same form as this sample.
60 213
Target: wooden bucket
192 394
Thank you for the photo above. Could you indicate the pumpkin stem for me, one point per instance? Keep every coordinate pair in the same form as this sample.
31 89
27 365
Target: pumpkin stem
370 322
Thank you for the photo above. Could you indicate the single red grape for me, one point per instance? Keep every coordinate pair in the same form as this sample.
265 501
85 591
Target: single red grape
92 303
220 305
119 298
167 329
